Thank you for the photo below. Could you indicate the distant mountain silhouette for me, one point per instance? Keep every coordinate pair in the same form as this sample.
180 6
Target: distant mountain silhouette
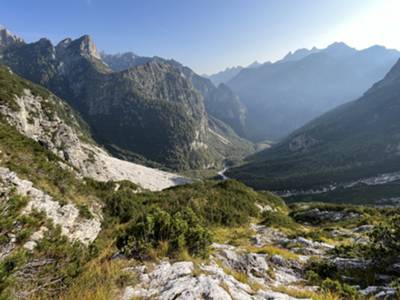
283 96
359 139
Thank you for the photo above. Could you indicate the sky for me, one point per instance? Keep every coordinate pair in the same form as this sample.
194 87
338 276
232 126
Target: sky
208 35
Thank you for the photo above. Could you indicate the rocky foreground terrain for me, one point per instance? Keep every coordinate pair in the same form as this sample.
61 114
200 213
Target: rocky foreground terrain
270 264
283 254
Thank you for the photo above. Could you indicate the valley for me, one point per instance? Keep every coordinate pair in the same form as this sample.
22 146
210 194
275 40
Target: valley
128 177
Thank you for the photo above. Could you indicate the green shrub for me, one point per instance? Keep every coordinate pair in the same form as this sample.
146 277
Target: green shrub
278 220
349 251
122 204
84 211
7 267
182 230
226 203
322 267
385 239
345 291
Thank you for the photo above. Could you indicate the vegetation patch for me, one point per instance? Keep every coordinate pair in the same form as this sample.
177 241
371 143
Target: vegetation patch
279 220
157 228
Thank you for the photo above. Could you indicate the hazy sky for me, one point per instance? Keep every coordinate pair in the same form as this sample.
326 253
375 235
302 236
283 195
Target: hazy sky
208 35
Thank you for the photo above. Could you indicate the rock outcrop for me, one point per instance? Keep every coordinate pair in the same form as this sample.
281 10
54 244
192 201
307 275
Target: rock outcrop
181 280
67 216
7 38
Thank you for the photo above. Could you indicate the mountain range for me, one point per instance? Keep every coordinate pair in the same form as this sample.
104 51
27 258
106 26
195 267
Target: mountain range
281 97
229 73
158 112
351 152
141 109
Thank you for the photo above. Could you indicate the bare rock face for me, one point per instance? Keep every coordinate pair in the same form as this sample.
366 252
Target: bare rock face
251 264
72 225
35 121
7 38
88 47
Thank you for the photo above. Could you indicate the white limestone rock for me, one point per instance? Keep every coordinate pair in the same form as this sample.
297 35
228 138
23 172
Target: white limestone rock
180 281
67 216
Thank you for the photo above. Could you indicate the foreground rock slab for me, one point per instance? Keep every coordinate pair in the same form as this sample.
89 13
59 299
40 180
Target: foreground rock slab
184 280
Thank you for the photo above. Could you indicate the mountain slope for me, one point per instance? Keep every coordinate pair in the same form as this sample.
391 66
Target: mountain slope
41 116
225 75
283 96
216 98
348 147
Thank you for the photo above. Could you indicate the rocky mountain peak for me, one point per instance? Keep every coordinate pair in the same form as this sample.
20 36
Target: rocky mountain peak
7 38
339 49
45 42
61 46
338 45
64 43
44 47
299 54
254 64
85 46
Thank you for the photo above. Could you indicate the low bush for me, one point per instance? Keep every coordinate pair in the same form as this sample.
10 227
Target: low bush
155 228
278 220
344 290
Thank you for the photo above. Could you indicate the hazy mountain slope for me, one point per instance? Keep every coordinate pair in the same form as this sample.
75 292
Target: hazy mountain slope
358 140
41 116
220 102
229 73
230 146
225 75
283 96
225 105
